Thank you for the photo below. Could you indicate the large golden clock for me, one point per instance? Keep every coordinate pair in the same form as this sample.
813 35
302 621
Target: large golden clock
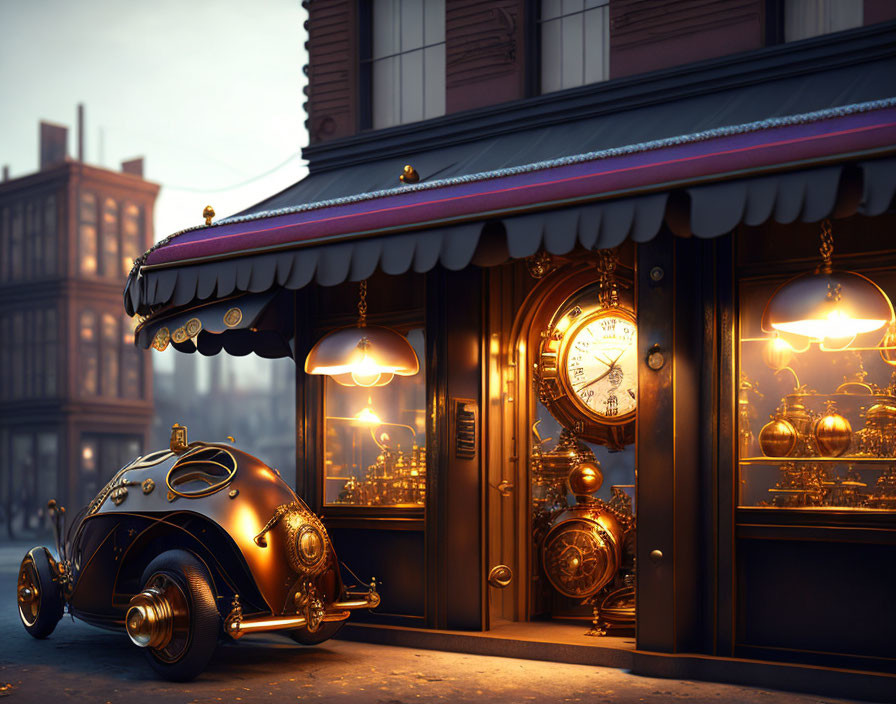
588 373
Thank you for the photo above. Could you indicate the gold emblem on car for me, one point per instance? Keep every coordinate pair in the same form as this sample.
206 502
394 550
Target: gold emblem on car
233 317
161 339
193 326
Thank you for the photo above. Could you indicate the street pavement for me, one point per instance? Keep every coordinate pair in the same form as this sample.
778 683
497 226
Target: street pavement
79 663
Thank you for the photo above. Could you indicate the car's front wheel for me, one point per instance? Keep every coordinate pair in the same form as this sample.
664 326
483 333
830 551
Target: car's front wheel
174 619
38 594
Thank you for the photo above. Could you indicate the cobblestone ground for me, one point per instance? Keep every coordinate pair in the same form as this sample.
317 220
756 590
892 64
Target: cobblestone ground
78 663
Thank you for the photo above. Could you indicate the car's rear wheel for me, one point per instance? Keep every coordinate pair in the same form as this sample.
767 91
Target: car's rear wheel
38 594
174 619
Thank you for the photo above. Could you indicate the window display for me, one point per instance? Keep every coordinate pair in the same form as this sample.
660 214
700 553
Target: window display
375 444
816 426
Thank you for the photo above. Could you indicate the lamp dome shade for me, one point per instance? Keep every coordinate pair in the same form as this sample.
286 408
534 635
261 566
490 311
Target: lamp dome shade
832 307
363 356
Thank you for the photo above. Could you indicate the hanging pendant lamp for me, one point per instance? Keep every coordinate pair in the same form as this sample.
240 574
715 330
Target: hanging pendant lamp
362 354
827 306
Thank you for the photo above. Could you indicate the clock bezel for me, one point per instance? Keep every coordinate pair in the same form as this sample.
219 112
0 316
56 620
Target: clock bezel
563 357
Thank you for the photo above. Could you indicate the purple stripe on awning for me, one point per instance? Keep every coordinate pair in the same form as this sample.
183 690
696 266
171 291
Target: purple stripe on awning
686 163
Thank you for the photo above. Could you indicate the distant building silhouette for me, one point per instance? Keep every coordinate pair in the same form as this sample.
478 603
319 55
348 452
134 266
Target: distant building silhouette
75 393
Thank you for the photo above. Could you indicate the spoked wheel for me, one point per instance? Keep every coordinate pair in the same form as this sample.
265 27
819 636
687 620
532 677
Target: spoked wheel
38 594
174 618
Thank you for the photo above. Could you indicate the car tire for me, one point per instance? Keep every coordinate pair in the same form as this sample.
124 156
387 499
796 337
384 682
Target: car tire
202 622
303 636
41 608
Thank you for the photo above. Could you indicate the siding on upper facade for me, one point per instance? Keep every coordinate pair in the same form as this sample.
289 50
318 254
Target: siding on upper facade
333 68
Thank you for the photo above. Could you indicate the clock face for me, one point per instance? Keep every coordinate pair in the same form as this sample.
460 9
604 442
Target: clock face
600 365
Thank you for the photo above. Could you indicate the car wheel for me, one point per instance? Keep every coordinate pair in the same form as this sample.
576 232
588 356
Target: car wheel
38 594
326 631
174 619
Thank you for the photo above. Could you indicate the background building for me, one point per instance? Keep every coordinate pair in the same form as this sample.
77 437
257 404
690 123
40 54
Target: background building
75 394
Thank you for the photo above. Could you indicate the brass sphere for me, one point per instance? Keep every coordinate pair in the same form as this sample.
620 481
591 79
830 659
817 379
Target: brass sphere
777 438
833 434
585 478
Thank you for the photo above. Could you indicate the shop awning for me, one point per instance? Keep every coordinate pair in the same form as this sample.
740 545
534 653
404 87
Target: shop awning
803 167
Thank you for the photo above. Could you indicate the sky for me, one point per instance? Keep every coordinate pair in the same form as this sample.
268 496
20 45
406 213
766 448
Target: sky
208 92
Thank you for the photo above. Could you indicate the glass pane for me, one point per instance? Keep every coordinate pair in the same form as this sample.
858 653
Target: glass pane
551 9
411 23
386 93
51 336
434 21
385 28
47 467
90 480
87 235
551 56
34 239
89 366
18 355
573 59
131 226
434 83
131 362
110 355
49 227
17 256
811 18
597 45
412 86
375 440
816 428
111 266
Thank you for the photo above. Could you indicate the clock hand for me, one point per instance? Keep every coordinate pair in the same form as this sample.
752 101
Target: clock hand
593 381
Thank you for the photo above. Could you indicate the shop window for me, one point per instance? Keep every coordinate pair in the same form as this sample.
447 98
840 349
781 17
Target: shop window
811 18
575 43
87 235
131 230
88 352
816 428
51 344
109 239
375 440
407 61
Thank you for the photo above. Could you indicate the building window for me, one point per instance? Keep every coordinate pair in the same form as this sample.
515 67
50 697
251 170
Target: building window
17 253
51 343
407 62
89 353
811 18
575 43
101 457
49 235
375 440
109 239
131 231
87 235
110 355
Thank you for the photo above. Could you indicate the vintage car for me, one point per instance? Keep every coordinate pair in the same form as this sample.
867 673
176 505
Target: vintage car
187 545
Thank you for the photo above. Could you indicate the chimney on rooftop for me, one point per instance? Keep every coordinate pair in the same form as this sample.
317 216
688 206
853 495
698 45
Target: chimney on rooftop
53 144
5 172
133 167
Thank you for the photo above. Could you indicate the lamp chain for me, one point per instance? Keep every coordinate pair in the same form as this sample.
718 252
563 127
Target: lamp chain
827 245
362 305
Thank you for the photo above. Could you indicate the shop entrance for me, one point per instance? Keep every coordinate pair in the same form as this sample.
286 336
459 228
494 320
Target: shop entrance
563 393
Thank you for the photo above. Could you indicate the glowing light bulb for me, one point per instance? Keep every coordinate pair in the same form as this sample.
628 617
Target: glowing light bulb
367 416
